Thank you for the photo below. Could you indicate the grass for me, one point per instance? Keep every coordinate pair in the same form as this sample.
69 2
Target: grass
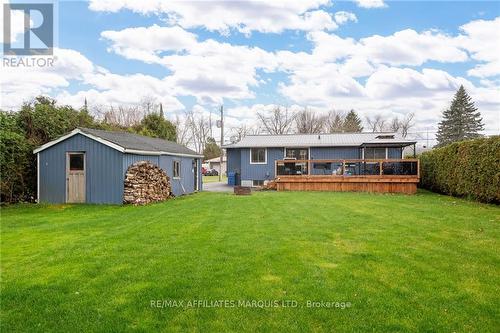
213 179
404 263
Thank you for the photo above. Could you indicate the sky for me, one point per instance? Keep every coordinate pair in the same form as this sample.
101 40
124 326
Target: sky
377 57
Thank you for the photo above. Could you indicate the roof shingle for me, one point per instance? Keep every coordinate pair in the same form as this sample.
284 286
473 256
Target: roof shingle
139 142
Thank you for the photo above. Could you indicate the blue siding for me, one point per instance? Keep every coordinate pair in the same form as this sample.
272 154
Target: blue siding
233 160
185 184
334 153
104 177
259 171
238 159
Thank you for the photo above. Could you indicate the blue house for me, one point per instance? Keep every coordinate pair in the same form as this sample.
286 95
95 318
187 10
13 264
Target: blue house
89 165
260 158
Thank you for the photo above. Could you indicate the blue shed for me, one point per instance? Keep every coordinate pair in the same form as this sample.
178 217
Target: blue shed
89 165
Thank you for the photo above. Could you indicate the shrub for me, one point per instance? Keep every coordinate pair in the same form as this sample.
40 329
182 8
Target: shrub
465 169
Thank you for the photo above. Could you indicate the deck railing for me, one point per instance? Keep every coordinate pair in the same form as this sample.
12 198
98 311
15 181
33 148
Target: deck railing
349 167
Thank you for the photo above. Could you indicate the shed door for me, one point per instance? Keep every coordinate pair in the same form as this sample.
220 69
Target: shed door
75 177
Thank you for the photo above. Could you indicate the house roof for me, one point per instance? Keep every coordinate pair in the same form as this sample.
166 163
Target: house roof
126 142
322 140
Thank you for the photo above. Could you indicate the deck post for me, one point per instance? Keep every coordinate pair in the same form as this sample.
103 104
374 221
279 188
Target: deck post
380 167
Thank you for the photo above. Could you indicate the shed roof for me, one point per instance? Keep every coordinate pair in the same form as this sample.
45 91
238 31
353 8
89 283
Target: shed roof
322 140
128 143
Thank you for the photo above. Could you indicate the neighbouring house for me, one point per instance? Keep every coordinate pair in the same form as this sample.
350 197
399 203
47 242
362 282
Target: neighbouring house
89 165
337 162
214 163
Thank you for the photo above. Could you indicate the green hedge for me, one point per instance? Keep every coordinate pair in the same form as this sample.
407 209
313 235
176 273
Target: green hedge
465 169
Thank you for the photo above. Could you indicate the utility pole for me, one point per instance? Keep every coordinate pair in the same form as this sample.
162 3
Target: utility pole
221 140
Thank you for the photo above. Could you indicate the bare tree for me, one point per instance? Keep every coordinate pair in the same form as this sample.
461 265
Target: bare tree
308 122
406 124
199 127
149 104
238 133
280 120
184 135
395 125
335 122
122 115
377 123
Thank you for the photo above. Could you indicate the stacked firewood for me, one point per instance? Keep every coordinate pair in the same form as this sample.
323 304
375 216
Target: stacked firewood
145 183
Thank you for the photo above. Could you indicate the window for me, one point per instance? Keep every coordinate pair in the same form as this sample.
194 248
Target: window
374 153
257 183
177 169
298 153
258 155
76 162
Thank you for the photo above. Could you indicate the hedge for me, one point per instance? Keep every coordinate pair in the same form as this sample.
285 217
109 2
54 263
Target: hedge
464 169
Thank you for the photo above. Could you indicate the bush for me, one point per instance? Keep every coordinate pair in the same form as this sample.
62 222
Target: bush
465 169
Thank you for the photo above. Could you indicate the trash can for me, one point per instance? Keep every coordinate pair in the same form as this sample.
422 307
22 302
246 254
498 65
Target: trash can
231 178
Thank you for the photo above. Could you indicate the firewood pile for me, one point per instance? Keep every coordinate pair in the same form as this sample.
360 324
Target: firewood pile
145 183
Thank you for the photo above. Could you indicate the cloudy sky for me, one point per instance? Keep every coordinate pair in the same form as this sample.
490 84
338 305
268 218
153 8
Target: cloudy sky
376 57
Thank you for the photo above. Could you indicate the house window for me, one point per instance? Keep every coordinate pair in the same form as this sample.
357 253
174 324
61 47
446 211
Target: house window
257 183
375 153
177 169
297 153
76 162
258 156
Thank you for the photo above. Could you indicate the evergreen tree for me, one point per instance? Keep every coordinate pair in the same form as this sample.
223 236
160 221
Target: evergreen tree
352 122
461 121
211 150
155 125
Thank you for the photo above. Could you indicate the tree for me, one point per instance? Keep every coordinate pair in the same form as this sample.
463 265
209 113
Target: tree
308 122
278 122
240 132
406 124
335 122
15 156
155 125
377 123
352 123
211 150
461 121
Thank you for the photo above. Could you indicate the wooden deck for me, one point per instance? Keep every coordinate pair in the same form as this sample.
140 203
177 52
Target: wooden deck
381 182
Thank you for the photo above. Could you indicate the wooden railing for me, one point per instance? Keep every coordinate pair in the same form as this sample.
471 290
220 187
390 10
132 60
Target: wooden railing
349 167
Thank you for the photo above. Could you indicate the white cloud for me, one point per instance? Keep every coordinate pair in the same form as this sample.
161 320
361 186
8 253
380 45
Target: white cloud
344 17
23 83
145 43
370 3
482 40
408 47
222 16
208 70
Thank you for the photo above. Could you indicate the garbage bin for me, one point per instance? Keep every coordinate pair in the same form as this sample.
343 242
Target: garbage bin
231 178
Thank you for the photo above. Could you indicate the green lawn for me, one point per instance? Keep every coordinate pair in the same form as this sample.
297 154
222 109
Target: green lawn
404 263
213 179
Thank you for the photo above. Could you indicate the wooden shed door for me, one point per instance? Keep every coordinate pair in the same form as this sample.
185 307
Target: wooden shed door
75 177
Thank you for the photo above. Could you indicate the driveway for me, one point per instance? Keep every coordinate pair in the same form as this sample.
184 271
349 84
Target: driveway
217 187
